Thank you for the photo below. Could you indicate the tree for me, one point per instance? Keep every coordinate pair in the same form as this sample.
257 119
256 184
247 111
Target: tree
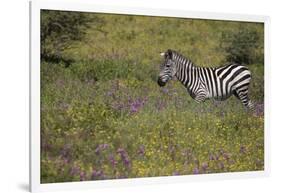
60 28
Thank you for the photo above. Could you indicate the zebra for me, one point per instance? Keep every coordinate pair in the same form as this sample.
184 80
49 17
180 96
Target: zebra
206 82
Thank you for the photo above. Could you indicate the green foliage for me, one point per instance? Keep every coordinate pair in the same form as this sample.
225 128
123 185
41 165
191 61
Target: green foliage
104 117
244 46
60 28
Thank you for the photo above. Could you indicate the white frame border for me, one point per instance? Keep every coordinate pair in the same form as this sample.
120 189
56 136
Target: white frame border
34 99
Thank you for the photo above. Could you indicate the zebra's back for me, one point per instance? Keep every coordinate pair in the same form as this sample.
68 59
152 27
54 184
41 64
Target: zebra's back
221 82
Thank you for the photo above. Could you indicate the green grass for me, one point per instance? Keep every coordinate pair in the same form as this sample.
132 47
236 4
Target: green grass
105 117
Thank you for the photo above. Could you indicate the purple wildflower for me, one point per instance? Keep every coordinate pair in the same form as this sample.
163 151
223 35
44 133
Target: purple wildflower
74 171
112 160
195 170
124 156
82 176
221 151
65 161
165 90
221 165
136 105
97 150
231 161
141 150
46 147
259 109
94 175
109 93
97 174
120 150
204 166
243 149
160 105
60 83
217 157
126 161
226 156
118 106
211 157
100 148
65 152
63 105
171 148
176 173
259 162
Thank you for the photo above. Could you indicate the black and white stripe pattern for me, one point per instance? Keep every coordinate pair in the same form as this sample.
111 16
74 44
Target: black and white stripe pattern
204 83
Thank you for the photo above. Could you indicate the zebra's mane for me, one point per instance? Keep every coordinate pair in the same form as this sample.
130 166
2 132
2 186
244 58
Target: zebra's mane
178 55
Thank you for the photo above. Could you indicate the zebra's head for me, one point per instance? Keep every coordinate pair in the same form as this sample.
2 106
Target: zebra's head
167 68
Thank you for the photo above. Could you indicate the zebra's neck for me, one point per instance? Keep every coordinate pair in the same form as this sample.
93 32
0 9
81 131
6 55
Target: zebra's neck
185 71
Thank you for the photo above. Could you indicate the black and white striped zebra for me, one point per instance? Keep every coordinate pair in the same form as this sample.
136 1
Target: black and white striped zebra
205 82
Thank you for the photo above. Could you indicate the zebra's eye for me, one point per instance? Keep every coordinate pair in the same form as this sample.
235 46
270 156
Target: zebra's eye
168 65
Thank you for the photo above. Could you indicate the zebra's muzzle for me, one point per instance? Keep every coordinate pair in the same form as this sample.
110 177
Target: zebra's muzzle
160 82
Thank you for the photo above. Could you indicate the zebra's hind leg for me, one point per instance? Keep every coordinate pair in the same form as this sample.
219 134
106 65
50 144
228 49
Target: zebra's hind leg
242 95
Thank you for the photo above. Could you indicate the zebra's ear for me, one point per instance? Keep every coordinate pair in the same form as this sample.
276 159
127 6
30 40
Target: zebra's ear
169 53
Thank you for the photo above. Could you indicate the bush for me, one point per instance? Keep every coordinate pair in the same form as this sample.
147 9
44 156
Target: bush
243 46
60 28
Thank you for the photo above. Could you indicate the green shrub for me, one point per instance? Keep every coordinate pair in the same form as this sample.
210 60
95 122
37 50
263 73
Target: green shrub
60 28
244 46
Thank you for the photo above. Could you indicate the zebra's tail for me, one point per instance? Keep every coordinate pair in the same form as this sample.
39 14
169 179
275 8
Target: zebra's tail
251 105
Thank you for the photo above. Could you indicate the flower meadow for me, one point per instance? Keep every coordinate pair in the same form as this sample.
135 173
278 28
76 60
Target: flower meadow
105 117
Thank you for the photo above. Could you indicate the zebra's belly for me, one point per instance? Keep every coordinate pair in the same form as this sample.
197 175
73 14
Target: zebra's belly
217 96
223 97
204 93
